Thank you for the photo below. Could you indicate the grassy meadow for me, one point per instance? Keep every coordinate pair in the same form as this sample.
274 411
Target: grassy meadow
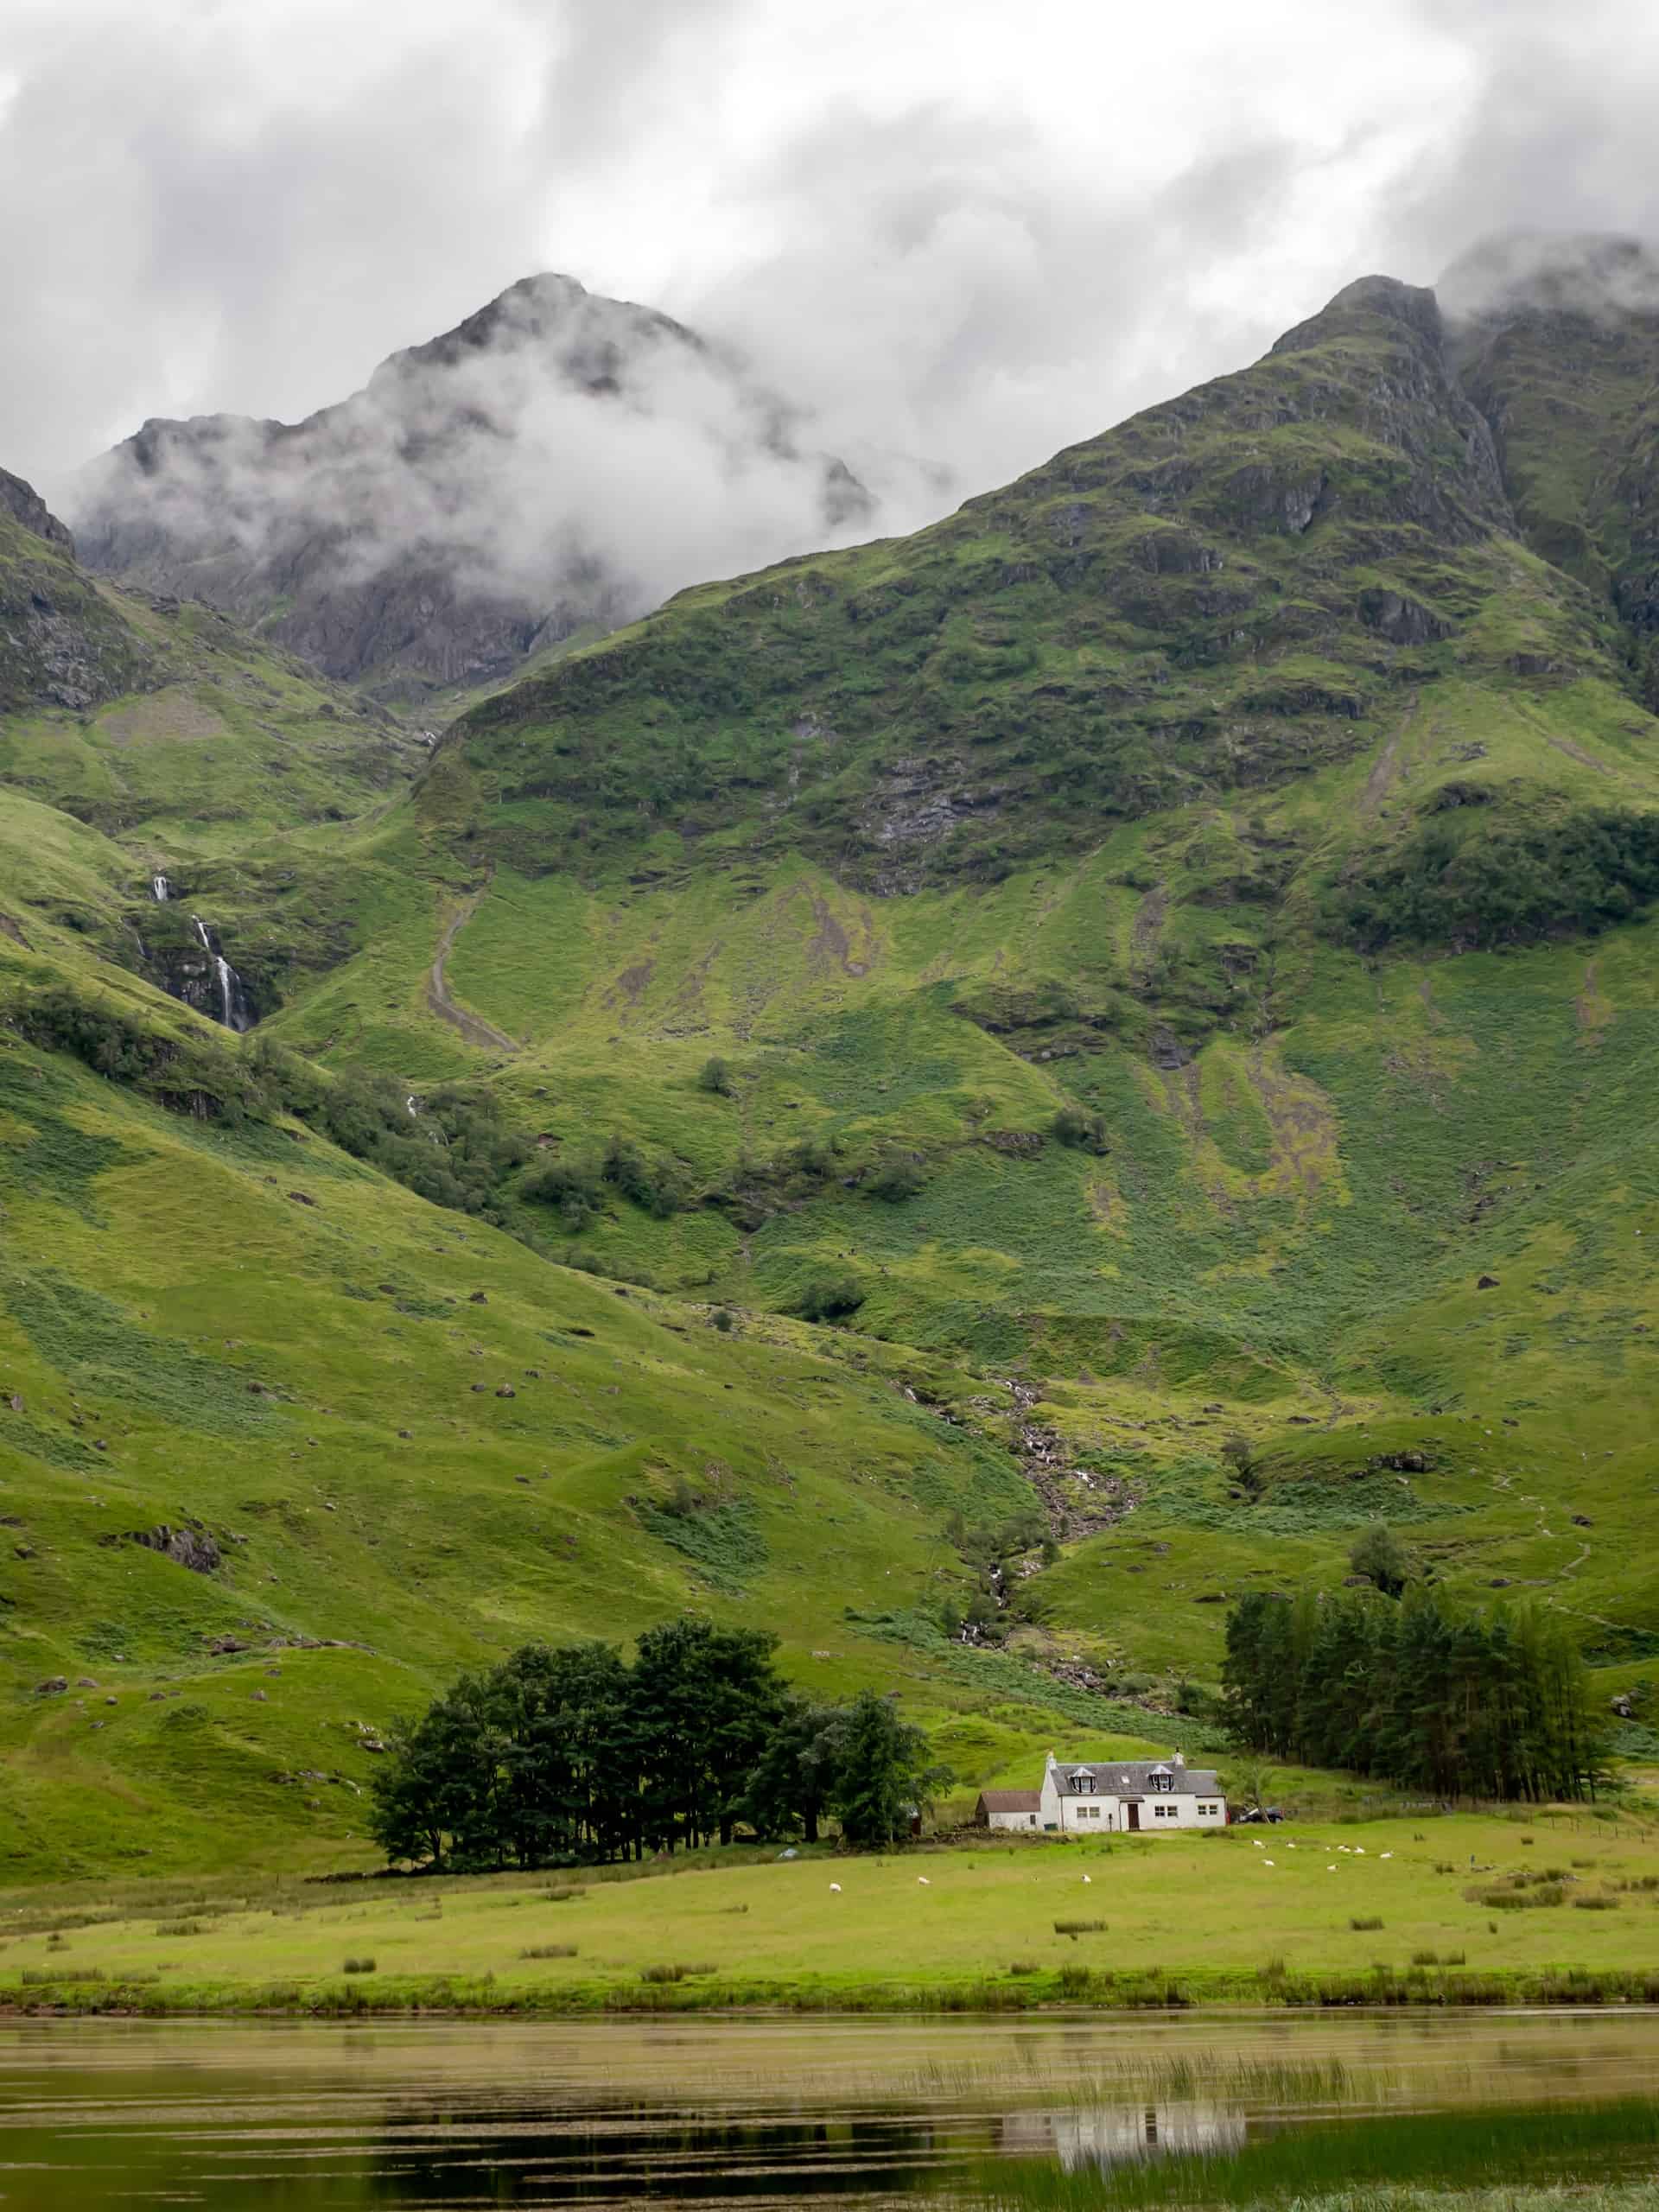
1307 1913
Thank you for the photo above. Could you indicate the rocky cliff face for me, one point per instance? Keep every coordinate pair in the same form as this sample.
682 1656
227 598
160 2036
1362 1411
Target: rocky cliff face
61 643
25 506
1556 341
556 461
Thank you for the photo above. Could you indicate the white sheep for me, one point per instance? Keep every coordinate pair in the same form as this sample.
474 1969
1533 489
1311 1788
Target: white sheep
835 1889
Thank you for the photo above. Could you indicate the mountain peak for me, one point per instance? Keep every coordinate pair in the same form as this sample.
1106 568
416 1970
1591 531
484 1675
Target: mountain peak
1365 301
487 493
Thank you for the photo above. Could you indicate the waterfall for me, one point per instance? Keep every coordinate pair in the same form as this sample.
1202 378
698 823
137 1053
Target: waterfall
232 997
160 890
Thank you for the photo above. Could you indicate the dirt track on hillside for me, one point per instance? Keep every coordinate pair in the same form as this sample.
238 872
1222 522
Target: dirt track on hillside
472 1027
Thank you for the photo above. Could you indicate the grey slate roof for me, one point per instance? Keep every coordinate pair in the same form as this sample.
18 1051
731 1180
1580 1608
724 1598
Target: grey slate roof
1133 1778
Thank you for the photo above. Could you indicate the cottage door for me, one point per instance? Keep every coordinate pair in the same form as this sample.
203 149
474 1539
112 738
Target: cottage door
1133 1811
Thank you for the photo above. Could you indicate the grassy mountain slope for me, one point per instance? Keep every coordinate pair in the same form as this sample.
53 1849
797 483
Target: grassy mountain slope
1176 937
144 736
1231 779
410 1443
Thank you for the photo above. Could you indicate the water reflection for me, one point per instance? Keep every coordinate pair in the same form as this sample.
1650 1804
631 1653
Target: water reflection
1106 2136
751 2112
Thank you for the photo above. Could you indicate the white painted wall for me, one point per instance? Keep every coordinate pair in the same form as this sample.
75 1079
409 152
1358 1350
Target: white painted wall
1100 1814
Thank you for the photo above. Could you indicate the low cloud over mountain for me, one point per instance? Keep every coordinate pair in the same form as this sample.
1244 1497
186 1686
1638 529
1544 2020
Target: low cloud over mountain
558 460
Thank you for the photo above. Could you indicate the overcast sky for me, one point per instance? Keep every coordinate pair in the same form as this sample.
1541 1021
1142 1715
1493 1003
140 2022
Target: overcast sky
960 229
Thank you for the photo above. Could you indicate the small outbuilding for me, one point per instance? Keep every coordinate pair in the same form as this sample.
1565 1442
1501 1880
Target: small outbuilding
1009 1809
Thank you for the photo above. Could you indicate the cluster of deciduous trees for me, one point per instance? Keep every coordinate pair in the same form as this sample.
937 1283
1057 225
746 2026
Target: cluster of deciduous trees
1460 1704
561 1756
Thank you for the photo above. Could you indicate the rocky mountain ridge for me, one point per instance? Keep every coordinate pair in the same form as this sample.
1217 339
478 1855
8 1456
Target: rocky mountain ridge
552 464
1230 590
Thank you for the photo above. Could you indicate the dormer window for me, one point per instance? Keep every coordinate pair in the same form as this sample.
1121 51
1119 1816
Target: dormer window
1161 1778
1083 1782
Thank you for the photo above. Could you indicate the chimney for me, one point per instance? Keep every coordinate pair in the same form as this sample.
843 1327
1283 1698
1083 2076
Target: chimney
1176 1759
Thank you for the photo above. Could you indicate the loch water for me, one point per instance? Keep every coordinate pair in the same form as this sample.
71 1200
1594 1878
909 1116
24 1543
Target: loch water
769 2113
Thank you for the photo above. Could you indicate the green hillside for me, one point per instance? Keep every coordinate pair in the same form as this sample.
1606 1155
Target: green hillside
1129 1016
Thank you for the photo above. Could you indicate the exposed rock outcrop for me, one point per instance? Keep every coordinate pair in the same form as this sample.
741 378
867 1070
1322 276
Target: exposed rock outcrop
61 643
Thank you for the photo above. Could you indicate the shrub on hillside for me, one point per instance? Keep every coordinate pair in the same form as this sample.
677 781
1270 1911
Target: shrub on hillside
655 1185
1506 883
1380 1556
198 1075
897 1180
716 1076
452 1147
572 1187
1081 1132
828 1297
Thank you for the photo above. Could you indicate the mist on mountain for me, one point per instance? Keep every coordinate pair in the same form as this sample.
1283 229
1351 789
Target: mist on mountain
558 461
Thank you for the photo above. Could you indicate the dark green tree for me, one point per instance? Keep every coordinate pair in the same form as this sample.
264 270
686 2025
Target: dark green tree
886 1776
1460 1704
1380 1556
438 1798
792 1786
560 1712
701 1702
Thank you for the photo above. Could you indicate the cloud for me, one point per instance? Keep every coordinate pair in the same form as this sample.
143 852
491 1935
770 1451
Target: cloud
1554 133
960 241
214 205
558 456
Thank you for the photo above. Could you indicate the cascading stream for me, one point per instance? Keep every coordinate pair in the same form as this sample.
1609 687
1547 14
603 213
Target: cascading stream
232 997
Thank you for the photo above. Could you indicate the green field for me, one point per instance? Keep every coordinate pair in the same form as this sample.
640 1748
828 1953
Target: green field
1258 1915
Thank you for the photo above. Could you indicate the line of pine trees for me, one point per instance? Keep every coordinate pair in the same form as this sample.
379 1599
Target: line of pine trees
573 1755
1455 1703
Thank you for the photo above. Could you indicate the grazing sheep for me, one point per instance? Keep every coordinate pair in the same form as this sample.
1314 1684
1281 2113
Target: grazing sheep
835 1889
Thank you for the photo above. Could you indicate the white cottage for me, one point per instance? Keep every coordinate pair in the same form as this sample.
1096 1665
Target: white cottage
1092 1796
